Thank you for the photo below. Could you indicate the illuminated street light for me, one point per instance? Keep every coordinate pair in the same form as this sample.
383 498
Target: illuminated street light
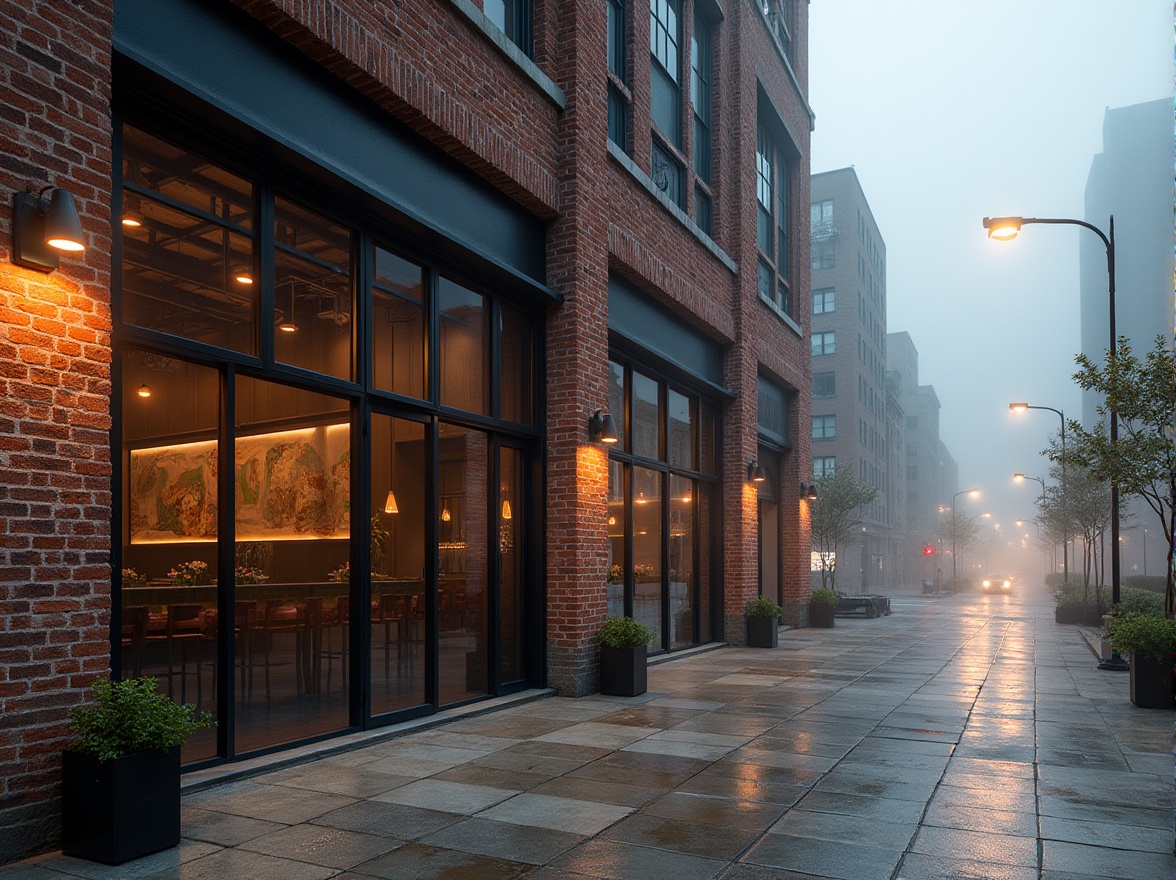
1006 228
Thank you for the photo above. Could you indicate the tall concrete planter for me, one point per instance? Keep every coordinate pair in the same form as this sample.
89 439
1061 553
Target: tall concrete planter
1151 682
763 632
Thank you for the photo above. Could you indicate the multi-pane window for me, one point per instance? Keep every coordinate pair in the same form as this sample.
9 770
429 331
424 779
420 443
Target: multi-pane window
823 301
820 214
773 174
700 100
824 465
667 174
823 254
618 92
824 384
780 15
665 37
824 427
824 343
514 18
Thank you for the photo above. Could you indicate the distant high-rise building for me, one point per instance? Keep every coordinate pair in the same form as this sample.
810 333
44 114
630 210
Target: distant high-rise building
849 422
1131 179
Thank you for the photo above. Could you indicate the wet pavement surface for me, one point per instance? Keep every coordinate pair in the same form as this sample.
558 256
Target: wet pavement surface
964 736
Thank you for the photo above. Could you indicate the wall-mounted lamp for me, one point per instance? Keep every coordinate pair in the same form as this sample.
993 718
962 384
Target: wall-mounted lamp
144 391
602 428
756 472
809 492
41 228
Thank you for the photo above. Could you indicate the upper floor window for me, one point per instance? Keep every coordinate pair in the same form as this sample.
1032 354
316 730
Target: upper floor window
779 13
773 176
824 427
824 343
700 100
824 465
619 97
514 18
820 213
823 301
822 254
824 384
665 37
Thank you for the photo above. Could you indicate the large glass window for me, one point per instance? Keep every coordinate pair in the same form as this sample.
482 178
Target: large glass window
465 352
313 300
169 456
661 514
700 96
763 191
398 325
463 564
513 17
824 427
291 513
517 371
511 512
824 301
824 343
397 549
773 217
188 245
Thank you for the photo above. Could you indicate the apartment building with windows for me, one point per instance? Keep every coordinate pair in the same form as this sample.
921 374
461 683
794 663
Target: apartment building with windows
409 341
850 426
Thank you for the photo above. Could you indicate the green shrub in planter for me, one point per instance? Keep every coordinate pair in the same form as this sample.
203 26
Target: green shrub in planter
1135 599
120 793
1146 635
624 632
822 596
624 649
762 606
763 618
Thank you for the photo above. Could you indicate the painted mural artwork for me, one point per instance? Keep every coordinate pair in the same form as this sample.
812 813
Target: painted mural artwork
288 485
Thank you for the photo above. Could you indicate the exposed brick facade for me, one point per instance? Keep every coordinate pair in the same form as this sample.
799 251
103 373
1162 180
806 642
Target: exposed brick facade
540 139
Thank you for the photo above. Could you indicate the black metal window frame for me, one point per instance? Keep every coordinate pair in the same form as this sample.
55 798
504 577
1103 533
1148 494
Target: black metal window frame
711 481
362 397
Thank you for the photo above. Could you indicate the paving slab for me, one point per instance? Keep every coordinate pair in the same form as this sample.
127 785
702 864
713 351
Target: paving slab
961 737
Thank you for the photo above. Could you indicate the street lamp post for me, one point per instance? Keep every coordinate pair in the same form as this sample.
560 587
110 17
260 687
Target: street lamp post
1007 228
1021 407
954 526
1017 478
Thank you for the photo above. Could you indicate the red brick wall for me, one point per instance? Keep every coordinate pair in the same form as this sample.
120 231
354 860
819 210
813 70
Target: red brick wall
54 405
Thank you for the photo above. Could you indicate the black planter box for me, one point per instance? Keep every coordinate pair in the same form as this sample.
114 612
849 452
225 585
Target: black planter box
115 811
1151 683
763 632
1070 614
821 615
623 671
1092 617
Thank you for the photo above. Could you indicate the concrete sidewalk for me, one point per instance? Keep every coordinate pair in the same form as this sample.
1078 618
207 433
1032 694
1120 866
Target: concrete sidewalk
964 736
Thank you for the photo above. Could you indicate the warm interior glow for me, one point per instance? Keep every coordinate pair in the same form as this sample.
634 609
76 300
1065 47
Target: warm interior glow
243 277
390 503
506 511
288 327
144 391
131 221
446 516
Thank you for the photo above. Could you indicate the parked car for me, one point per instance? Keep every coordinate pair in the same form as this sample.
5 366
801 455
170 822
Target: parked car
997 582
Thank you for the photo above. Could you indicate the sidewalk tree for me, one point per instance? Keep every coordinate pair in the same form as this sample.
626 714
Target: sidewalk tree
1084 513
836 517
1143 460
957 531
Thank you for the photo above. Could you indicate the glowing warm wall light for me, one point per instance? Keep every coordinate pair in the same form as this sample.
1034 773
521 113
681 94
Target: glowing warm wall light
506 512
131 220
288 327
446 516
390 503
144 391
243 276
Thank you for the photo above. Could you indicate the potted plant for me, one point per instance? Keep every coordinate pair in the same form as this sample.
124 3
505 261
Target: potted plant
763 623
1150 640
822 604
120 796
624 647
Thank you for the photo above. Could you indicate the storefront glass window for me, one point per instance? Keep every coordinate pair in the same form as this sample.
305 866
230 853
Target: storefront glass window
398 325
465 361
313 301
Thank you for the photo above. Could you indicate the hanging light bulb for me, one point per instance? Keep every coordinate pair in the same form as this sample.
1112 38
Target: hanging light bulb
390 503
446 516
144 391
506 512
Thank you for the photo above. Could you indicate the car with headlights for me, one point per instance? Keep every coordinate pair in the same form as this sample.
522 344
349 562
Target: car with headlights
997 583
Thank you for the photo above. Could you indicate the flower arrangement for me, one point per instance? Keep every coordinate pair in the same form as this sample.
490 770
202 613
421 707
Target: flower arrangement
132 578
246 575
616 574
643 573
190 574
342 574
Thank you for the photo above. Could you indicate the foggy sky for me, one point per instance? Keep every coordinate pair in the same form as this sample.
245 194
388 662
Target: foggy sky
953 110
